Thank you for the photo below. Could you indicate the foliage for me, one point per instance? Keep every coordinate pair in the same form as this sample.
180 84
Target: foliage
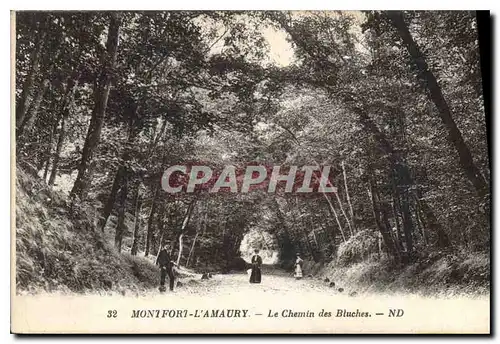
58 249
106 101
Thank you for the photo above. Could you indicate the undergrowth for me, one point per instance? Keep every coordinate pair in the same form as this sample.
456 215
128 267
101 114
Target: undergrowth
58 248
360 266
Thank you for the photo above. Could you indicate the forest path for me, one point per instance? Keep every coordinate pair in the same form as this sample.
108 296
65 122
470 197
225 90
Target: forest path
279 287
279 304
274 281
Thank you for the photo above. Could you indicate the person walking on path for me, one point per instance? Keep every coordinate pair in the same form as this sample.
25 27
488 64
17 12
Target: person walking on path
299 262
255 276
166 268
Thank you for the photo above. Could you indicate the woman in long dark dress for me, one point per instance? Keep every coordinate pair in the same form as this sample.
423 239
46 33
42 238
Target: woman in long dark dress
255 276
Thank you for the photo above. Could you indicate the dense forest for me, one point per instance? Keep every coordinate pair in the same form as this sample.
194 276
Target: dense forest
393 101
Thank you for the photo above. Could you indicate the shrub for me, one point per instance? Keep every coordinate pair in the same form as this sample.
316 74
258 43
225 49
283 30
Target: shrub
361 246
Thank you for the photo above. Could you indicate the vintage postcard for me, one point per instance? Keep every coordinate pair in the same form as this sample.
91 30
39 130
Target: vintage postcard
309 172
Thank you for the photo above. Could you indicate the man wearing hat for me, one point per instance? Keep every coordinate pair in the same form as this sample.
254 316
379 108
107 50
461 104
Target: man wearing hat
166 268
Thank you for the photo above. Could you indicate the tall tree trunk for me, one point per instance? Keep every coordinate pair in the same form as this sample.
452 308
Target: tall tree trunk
65 112
47 167
400 170
395 212
332 246
134 129
149 234
32 113
160 224
313 231
46 145
297 223
420 223
287 237
187 217
343 213
48 151
380 222
27 90
407 222
385 210
348 197
199 225
436 95
333 212
443 240
156 138
137 221
191 251
101 94
108 207
120 227
57 154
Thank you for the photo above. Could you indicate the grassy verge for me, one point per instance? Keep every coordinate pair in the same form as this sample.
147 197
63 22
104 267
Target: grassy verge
442 272
57 248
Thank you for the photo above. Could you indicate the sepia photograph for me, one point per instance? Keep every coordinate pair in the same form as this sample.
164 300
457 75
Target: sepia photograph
257 172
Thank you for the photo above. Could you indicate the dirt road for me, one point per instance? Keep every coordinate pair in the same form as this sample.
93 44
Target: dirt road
280 304
274 282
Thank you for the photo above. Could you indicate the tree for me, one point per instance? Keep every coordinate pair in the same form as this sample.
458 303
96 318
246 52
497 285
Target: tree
118 97
436 95
102 88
